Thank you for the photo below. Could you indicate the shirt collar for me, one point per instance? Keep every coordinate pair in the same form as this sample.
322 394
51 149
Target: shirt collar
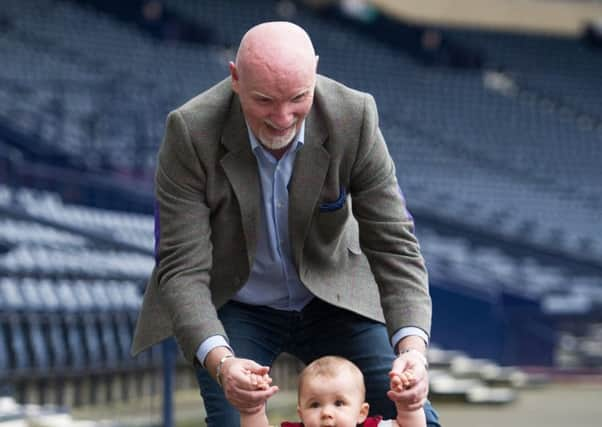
298 142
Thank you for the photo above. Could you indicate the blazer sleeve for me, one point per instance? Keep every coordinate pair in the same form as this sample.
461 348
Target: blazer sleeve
387 231
184 250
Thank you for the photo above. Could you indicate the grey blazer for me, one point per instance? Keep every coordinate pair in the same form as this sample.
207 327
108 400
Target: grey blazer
352 238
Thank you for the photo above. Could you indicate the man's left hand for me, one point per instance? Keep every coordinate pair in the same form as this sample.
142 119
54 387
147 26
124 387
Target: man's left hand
414 396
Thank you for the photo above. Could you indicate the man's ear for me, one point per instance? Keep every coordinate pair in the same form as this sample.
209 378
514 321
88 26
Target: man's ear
234 75
364 410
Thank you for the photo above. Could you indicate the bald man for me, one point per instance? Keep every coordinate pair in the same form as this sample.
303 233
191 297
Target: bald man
281 228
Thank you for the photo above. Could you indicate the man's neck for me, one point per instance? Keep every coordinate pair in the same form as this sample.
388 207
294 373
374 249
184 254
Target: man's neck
278 152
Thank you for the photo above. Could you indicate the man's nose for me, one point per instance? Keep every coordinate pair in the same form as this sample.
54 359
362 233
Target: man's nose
283 117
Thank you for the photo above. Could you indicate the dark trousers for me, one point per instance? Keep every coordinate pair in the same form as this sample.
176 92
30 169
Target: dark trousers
261 334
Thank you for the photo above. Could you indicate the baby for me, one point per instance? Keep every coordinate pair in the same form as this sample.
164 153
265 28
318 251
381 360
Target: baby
332 392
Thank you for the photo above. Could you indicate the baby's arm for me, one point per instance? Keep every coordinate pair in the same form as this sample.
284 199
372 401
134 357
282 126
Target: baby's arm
415 418
406 418
258 419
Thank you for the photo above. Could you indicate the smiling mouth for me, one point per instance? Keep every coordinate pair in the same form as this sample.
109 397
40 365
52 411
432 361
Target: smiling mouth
278 130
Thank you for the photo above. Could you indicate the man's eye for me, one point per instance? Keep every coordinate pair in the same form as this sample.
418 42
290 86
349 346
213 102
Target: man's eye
299 98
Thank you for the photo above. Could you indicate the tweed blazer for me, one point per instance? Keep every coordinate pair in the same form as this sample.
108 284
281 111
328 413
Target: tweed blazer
352 238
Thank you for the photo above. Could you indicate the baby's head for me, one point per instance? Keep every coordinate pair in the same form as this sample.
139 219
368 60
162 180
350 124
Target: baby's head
332 392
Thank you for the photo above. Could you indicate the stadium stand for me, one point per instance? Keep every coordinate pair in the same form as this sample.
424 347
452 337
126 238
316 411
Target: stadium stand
68 301
500 165
504 149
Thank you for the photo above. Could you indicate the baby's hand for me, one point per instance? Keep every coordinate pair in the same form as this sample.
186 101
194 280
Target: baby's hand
261 382
400 382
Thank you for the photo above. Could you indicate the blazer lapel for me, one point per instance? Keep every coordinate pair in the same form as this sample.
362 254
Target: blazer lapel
309 173
240 167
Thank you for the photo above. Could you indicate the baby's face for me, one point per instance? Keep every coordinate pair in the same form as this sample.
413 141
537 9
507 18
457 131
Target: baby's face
332 401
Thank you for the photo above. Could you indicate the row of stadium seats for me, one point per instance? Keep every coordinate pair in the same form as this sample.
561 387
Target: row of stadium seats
66 324
488 269
134 228
44 295
62 344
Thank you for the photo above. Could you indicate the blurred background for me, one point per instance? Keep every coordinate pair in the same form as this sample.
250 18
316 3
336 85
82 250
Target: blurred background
492 110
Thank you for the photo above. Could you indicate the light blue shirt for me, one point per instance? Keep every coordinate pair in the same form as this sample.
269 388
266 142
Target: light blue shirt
273 280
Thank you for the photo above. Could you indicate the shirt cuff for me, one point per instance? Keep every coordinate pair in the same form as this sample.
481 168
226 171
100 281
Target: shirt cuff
406 332
208 345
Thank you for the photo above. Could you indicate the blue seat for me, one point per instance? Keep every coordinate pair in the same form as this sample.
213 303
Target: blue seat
124 336
75 343
18 345
4 353
110 344
57 342
92 340
40 354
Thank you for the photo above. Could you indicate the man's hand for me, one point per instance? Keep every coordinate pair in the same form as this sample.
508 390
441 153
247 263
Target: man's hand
247 385
409 381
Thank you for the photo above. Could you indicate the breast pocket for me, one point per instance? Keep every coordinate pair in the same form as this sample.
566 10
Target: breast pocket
332 217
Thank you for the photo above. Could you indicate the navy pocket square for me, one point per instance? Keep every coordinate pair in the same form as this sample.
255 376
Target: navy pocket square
337 204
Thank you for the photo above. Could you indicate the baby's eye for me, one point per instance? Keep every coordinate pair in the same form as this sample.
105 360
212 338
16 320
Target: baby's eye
314 405
339 402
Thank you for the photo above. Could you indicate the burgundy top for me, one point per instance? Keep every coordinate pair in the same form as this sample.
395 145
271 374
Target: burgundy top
370 422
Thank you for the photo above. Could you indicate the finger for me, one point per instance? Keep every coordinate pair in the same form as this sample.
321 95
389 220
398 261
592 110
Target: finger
399 365
252 398
407 406
394 397
245 382
260 383
257 368
417 405
411 395
258 397
254 379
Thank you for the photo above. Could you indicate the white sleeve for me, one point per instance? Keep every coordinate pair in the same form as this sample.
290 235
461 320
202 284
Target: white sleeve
386 423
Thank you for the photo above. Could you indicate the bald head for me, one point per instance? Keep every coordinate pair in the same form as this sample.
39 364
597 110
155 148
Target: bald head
275 77
279 46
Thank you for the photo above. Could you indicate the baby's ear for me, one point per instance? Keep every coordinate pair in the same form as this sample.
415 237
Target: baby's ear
364 410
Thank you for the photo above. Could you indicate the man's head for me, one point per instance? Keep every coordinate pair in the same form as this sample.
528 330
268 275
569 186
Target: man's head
274 77
332 393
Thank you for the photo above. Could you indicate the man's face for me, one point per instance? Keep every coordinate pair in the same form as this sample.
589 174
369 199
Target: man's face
332 401
275 101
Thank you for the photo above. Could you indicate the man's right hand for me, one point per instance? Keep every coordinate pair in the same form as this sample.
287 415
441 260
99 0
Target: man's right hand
243 391
246 384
